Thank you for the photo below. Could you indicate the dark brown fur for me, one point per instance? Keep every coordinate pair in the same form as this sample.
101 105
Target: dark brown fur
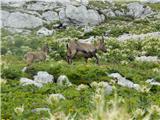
86 49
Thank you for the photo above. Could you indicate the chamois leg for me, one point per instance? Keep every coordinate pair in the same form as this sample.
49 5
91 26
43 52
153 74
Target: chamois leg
69 58
29 61
86 59
97 60
74 53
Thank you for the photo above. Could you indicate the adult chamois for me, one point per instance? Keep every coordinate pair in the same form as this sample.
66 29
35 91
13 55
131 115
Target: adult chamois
41 55
88 50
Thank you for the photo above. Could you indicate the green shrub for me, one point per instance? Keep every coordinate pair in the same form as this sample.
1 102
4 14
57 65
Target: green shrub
11 73
154 6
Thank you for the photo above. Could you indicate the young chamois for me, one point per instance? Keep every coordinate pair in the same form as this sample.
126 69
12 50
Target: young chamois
86 49
41 55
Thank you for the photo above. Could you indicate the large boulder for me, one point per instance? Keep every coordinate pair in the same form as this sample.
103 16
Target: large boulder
138 10
50 16
80 15
20 20
4 17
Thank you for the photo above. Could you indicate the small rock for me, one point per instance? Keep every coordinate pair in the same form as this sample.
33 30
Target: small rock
147 59
63 80
40 109
125 37
119 13
26 81
43 77
153 82
108 12
123 81
44 32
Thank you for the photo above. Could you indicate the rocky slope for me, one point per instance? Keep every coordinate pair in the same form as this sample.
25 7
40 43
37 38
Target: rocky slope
24 16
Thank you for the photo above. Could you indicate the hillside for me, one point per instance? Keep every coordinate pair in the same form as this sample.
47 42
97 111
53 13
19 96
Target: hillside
125 85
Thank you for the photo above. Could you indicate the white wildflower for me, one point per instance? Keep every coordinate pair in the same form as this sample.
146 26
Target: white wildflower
139 112
19 110
2 81
155 108
156 70
82 87
55 98
94 84
144 89
124 62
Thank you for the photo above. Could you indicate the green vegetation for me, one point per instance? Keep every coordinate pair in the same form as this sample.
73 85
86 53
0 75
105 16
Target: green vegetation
89 103
154 6
76 102
98 4
80 103
119 58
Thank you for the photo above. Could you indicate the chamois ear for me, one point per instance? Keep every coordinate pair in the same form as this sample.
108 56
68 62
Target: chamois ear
76 39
